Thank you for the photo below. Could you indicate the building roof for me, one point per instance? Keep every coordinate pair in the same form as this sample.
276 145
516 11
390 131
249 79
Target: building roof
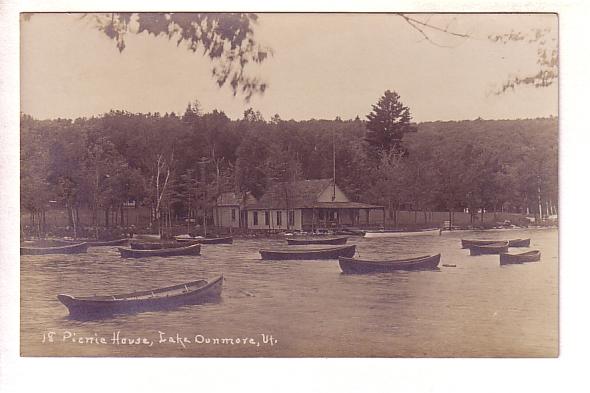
301 194
228 199
295 194
234 199
345 205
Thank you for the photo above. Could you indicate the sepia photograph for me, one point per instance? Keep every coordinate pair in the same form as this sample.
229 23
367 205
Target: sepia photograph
289 185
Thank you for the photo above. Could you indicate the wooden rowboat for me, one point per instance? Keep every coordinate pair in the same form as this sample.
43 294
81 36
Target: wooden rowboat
359 266
390 233
511 243
465 243
105 243
154 246
206 240
519 243
349 232
309 253
149 237
90 242
193 292
493 248
530 256
193 249
68 249
300 242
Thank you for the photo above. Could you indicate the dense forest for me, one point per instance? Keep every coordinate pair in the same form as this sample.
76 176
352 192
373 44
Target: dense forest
178 164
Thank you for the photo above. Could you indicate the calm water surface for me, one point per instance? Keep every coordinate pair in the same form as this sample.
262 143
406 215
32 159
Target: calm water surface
477 308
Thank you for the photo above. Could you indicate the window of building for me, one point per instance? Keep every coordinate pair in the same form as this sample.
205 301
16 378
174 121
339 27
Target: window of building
279 218
266 218
291 218
233 215
255 218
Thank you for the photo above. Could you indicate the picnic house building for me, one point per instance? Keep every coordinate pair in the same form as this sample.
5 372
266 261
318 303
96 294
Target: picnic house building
305 205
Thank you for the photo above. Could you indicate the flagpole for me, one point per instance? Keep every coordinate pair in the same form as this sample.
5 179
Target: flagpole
333 165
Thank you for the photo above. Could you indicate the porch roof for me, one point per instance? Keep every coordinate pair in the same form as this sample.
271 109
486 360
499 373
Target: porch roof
343 205
322 205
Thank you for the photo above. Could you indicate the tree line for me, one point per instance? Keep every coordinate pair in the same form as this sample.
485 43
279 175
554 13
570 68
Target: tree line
178 164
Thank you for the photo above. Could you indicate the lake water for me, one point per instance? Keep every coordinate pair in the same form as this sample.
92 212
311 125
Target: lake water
476 309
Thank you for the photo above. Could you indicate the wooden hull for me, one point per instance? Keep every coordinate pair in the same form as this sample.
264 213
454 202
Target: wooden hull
519 243
147 237
194 292
95 243
469 243
307 254
350 232
427 232
194 249
531 256
106 243
494 248
69 249
334 241
212 240
90 242
359 266
155 246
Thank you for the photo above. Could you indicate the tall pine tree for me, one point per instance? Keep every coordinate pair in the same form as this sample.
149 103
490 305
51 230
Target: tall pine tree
387 124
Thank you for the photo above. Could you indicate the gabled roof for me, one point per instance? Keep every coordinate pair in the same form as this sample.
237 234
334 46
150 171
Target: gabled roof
234 199
228 199
346 205
292 195
302 194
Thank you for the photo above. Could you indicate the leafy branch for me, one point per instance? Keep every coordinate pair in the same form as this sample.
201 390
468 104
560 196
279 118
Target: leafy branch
547 55
226 38
547 58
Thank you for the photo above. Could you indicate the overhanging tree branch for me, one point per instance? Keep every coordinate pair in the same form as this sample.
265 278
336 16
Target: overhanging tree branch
421 26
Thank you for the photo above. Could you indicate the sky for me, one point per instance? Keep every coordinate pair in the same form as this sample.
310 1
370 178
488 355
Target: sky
323 66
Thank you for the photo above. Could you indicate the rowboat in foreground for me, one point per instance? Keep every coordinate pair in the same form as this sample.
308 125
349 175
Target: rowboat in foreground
493 248
300 242
359 266
519 243
309 253
530 256
388 233
206 240
193 292
154 246
67 249
193 249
